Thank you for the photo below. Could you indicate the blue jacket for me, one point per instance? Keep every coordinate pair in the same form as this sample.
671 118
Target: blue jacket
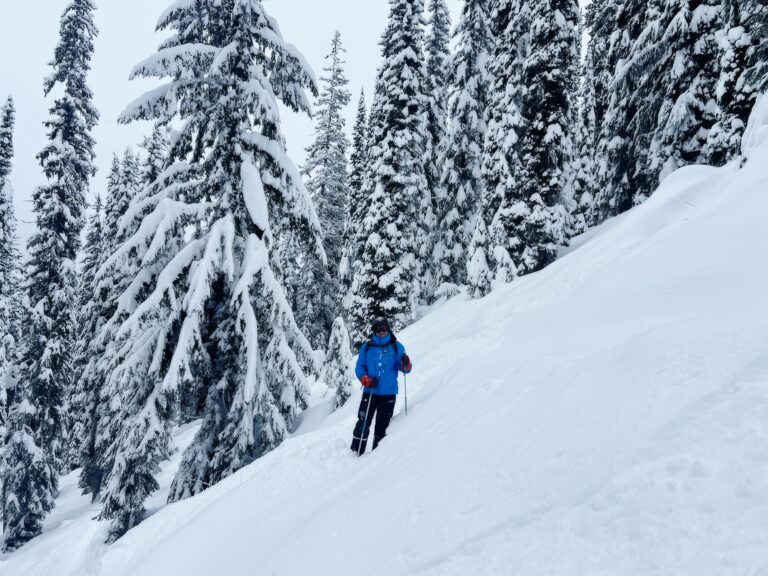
378 359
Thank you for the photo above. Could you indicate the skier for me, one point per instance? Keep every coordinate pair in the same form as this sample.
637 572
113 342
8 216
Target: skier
378 364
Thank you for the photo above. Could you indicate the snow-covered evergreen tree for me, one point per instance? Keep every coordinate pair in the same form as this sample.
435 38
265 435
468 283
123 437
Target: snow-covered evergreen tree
327 182
10 309
358 158
10 305
121 383
620 28
583 168
30 483
357 319
734 92
529 144
97 304
101 416
326 165
156 155
387 283
207 304
356 316
479 277
676 58
59 205
134 174
7 124
663 97
493 236
356 202
337 372
596 77
87 327
461 184
549 73
679 91
757 21
49 337
438 52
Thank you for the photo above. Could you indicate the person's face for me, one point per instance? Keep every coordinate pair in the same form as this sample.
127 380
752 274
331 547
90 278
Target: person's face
381 331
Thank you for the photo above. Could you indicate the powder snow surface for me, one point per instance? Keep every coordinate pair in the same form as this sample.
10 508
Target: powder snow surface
607 416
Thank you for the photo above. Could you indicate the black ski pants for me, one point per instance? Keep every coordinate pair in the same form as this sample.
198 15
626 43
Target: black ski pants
381 406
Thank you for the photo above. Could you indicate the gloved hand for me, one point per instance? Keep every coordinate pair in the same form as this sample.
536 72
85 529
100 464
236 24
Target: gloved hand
405 362
368 381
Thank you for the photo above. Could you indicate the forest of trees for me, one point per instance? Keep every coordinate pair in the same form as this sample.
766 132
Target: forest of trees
216 279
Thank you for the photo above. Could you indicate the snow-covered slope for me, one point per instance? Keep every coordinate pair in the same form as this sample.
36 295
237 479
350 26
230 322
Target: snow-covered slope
608 415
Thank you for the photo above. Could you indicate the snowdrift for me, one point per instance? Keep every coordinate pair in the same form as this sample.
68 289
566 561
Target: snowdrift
608 415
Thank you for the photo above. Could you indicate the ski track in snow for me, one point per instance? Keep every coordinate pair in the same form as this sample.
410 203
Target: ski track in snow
606 416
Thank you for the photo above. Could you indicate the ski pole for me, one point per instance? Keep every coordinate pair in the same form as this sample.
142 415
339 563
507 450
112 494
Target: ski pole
405 388
363 436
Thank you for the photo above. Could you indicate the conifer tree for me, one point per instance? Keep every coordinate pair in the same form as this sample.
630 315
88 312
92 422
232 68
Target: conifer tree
755 16
356 316
676 58
617 149
337 371
494 234
359 154
387 284
583 169
529 146
596 77
356 202
549 74
49 339
29 483
99 306
10 306
479 276
438 52
87 327
97 298
209 305
327 182
735 94
461 182
7 124
120 287
59 207
156 155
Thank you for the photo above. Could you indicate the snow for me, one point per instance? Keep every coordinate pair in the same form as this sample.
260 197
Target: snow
253 195
756 134
176 62
608 415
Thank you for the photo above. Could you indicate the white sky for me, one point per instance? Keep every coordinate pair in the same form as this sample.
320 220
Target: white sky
29 31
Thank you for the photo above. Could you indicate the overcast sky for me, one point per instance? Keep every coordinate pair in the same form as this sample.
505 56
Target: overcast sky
28 34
